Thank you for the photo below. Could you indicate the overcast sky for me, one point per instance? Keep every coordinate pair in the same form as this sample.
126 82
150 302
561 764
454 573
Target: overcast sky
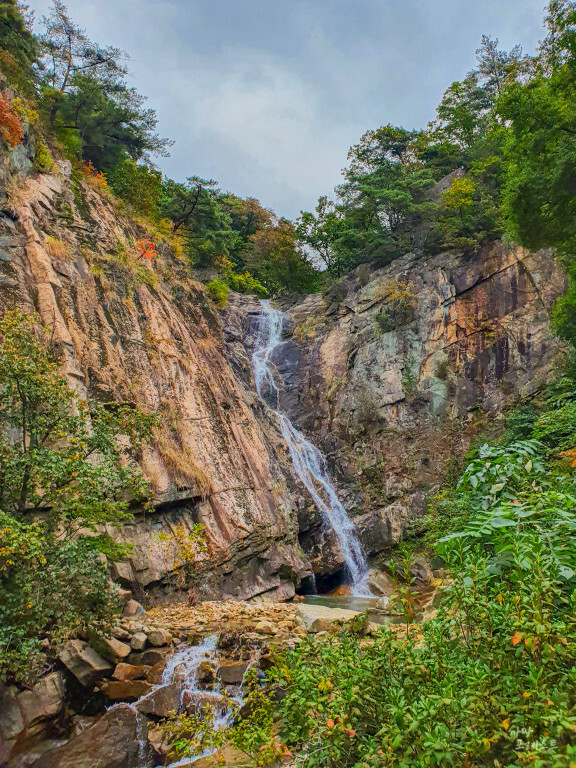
266 96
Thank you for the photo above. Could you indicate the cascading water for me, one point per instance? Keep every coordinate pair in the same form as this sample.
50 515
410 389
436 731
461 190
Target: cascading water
309 463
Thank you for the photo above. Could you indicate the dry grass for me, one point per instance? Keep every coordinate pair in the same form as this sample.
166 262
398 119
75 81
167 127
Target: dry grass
181 463
58 249
308 328
15 194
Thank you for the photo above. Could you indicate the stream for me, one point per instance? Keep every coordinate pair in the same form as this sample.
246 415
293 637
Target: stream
183 667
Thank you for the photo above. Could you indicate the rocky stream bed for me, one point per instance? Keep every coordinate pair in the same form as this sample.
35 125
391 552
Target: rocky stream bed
98 703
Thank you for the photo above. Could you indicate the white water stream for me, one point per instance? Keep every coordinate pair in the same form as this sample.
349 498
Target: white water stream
309 463
184 666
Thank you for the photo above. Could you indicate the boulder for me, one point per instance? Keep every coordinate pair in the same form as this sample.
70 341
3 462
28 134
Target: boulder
232 672
84 663
200 700
132 608
159 637
227 757
149 657
379 583
206 672
322 625
112 742
138 641
43 702
421 573
319 618
155 672
266 628
11 719
126 690
129 672
161 702
109 647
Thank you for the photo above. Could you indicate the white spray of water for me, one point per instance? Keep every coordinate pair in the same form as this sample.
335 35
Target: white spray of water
309 463
184 665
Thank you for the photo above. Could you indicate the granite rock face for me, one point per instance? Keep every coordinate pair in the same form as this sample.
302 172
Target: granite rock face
132 331
394 372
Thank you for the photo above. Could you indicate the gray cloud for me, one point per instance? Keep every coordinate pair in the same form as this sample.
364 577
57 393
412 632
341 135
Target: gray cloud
267 95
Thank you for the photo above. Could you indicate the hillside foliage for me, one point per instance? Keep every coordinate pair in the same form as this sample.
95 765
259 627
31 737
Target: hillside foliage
67 468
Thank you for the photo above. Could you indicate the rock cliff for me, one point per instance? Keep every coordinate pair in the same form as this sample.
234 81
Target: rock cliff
394 372
136 331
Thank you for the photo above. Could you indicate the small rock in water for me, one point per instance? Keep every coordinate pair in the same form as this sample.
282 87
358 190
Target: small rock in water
125 690
206 672
162 702
232 672
154 674
129 672
197 701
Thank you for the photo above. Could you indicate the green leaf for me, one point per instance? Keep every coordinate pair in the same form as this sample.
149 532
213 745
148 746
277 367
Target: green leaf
501 522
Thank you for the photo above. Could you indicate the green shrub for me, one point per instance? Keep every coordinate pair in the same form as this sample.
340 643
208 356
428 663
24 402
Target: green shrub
138 185
245 283
43 161
49 589
489 681
67 468
218 292
557 428
384 322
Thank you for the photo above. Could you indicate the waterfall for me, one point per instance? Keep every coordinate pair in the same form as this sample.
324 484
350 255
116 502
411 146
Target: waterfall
309 463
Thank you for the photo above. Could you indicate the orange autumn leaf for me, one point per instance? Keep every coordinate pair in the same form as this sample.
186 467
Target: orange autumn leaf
516 638
570 454
10 123
506 723
330 723
92 174
146 249
350 731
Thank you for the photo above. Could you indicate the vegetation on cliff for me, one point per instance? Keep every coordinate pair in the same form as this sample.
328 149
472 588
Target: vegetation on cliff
76 98
505 133
489 681
67 469
486 147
